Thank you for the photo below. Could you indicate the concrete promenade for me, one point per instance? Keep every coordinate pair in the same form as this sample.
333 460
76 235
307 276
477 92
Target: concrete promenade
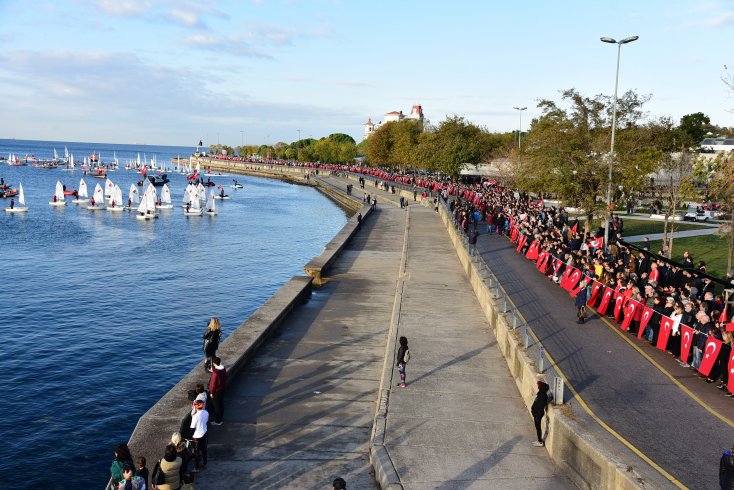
301 412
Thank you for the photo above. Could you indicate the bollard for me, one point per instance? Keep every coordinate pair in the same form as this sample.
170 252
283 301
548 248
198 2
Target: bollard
514 321
505 310
540 360
558 390
527 336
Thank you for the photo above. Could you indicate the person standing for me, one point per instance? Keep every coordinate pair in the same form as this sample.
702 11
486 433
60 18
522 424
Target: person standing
472 240
122 458
538 410
403 358
170 466
212 335
217 384
199 423
581 299
726 470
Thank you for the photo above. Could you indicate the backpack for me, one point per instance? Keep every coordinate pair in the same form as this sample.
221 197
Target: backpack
406 356
158 477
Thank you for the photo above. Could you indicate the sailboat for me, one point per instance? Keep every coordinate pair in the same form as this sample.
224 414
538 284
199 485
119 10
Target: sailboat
21 200
97 201
165 198
188 192
82 194
109 188
146 209
116 200
193 208
133 198
211 207
58 195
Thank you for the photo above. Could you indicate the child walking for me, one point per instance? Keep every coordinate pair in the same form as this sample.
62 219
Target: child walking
403 358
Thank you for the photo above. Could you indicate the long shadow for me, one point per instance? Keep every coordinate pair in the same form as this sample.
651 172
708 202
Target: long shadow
468 477
463 357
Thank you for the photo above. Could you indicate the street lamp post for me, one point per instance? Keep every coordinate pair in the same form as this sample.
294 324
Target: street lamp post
614 128
299 143
519 133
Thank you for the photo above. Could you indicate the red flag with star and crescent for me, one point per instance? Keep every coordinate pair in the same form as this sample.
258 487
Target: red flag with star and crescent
646 316
532 252
730 367
666 326
619 300
629 313
595 291
556 266
596 242
710 353
686 340
722 317
608 293
573 279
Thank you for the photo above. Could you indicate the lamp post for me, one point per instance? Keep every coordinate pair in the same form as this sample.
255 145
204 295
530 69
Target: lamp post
614 128
519 133
299 144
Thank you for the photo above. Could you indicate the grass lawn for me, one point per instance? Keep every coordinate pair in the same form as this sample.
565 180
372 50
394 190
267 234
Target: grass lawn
634 227
712 249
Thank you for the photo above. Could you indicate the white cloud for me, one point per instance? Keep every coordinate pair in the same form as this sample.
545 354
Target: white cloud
722 19
234 45
124 8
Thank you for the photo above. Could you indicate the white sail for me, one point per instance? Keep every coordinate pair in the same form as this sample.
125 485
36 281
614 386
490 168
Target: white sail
198 167
201 191
98 196
21 195
165 195
210 203
153 194
133 195
117 196
187 197
195 205
143 207
66 153
83 188
56 155
71 160
109 187
59 191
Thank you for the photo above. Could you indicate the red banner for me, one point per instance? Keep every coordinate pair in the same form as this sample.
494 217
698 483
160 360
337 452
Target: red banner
541 257
646 316
581 285
573 279
619 301
521 242
595 291
513 233
596 242
730 367
608 292
710 353
532 253
686 340
722 317
666 326
566 275
629 313
556 266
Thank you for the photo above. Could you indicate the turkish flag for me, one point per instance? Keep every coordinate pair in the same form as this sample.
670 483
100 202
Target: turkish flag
686 338
556 266
575 227
595 291
710 353
596 242
730 367
666 326
730 327
566 276
513 234
646 316
521 242
629 313
619 300
542 262
573 279
608 292
532 253
722 317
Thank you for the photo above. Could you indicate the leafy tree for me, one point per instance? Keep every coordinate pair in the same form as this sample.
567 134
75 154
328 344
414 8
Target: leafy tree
452 144
719 171
693 128
342 138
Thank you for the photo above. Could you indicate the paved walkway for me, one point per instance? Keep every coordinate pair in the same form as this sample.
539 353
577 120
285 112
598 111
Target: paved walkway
301 414
678 234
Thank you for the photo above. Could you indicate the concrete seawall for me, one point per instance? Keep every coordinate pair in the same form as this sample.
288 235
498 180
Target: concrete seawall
170 414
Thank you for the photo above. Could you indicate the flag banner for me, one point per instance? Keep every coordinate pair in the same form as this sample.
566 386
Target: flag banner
730 327
647 313
619 300
575 291
575 227
542 261
629 313
566 276
605 299
556 266
722 317
596 242
532 253
666 326
573 279
730 367
513 234
595 292
521 242
710 354
686 340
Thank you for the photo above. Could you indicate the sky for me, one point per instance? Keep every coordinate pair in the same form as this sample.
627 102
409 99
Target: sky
175 72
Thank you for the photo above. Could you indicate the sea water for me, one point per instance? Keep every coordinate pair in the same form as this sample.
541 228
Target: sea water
101 313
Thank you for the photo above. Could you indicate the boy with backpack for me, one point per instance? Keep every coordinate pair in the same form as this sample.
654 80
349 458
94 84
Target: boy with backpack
403 358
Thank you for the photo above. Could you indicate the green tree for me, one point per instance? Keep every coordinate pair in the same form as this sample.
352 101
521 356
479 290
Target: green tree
452 144
693 128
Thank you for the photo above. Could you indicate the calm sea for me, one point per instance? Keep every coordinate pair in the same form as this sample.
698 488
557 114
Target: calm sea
102 313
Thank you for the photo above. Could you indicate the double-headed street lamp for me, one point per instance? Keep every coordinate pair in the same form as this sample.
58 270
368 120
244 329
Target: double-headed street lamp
614 128
519 133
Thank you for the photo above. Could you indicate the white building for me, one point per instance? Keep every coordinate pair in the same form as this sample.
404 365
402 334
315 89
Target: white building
416 112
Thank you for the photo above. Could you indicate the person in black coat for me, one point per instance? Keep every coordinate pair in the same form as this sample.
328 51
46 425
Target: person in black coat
581 300
538 410
726 470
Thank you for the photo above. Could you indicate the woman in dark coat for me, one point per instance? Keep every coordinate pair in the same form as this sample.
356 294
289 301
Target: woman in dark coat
212 335
538 410
581 300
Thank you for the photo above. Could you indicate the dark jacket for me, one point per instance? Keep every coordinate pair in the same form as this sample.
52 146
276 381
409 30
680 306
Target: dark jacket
726 471
401 354
541 401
